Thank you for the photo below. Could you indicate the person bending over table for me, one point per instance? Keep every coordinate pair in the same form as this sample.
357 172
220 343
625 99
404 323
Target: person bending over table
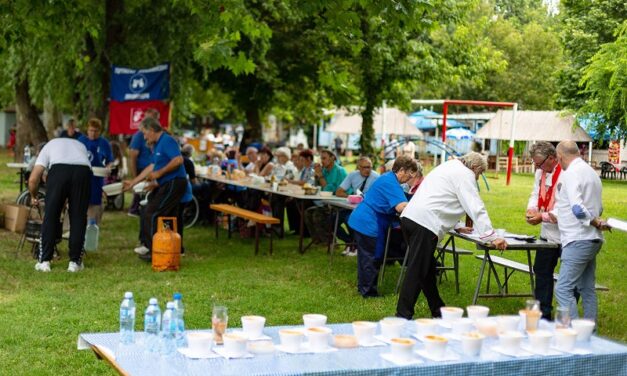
449 191
370 220
166 177
358 183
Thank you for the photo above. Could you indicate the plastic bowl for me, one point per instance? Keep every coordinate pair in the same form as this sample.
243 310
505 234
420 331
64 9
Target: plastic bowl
112 189
355 199
326 194
100 171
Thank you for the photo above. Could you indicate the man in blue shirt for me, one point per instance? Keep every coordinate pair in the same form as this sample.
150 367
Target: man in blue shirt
100 155
140 157
166 178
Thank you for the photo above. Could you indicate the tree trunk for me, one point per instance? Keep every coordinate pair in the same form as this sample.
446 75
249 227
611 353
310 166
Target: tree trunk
52 117
30 129
253 126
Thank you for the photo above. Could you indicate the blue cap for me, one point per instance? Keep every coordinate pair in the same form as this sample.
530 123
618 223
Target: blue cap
177 296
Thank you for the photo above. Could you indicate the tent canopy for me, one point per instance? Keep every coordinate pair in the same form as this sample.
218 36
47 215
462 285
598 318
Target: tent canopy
427 120
396 122
533 126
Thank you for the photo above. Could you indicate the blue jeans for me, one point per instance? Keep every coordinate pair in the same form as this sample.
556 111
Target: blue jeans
578 272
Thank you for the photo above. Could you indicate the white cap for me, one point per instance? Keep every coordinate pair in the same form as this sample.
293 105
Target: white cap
170 305
128 295
153 301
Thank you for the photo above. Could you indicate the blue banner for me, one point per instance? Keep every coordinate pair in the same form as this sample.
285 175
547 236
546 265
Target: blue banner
128 84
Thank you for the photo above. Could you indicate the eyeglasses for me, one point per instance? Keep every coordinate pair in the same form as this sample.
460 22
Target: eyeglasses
542 163
365 167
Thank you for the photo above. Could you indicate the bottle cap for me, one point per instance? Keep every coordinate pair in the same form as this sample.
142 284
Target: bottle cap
92 221
177 296
153 301
170 305
128 295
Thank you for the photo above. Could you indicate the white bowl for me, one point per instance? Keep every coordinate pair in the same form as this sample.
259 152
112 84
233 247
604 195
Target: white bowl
451 313
314 319
139 187
326 194
100 171
477 311
112 189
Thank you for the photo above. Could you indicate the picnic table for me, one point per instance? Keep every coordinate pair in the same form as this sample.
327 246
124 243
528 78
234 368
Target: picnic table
599 356
290 190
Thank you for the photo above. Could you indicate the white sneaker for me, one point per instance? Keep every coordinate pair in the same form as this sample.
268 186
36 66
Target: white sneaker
141 250
43 266
346 251
352 253
74 267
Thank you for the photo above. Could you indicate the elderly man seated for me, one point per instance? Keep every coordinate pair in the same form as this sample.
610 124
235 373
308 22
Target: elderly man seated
357 182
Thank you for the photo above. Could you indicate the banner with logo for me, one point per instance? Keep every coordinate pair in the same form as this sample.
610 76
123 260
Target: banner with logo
129 84
125 117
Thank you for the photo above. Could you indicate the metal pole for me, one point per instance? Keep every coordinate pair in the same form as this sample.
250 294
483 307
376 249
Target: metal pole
590 153
444 113
510 152
384 107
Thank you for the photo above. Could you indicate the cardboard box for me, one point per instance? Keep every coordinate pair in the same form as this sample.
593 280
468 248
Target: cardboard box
15 217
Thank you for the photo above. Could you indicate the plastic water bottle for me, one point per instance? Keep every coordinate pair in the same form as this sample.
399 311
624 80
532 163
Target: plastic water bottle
27 154
127 319
91 236
152 325
179 309
168 330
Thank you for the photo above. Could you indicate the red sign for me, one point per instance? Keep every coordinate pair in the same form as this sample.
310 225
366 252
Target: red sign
613 152
125 117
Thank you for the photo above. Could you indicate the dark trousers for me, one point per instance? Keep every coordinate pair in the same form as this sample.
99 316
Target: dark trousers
71 183
163 201
342 234
543 268
367 268
421 272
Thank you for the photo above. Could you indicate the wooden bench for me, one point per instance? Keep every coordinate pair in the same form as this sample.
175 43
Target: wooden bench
511 266
235 211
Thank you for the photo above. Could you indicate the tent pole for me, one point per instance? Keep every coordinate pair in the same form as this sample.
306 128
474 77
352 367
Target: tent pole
510 152
590 153
444 113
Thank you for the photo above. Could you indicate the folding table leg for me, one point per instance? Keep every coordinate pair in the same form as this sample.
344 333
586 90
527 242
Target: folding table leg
256 239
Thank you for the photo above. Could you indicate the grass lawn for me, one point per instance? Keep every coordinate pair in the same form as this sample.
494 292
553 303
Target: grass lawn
41 314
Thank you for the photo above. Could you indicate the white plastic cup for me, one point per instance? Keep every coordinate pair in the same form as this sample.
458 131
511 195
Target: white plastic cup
426 326
402 348
508 323
318 338
510 340
392 327
253 326
435 345
313 319
584 329
540 340
290 339
451 313
199 341
565 339
234 344
477 311
472 343
364 331
463 325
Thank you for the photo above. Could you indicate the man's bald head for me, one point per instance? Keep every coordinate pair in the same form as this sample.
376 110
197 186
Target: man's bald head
567 151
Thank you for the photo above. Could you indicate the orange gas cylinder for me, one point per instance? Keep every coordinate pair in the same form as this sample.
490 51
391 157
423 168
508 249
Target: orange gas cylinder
166 245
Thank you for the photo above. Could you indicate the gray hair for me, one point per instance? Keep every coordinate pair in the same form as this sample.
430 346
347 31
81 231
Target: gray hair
363 158
542 149
285 151
151 123
568 148
404 162
187 150
474 160
252 148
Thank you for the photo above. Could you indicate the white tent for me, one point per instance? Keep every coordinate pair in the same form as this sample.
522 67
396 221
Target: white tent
396 122
533 126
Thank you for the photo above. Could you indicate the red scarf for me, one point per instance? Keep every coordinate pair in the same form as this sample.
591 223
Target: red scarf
546 198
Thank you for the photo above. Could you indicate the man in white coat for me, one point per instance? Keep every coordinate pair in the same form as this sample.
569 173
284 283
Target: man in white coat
449 191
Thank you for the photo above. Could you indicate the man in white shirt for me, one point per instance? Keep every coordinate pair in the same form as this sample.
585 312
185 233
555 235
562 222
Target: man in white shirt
69 179
449 191
541 202
578 211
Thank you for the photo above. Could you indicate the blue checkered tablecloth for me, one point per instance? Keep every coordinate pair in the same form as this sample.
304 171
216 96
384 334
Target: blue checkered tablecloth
606 358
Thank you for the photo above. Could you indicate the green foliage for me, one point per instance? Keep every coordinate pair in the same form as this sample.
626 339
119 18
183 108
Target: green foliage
605 82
